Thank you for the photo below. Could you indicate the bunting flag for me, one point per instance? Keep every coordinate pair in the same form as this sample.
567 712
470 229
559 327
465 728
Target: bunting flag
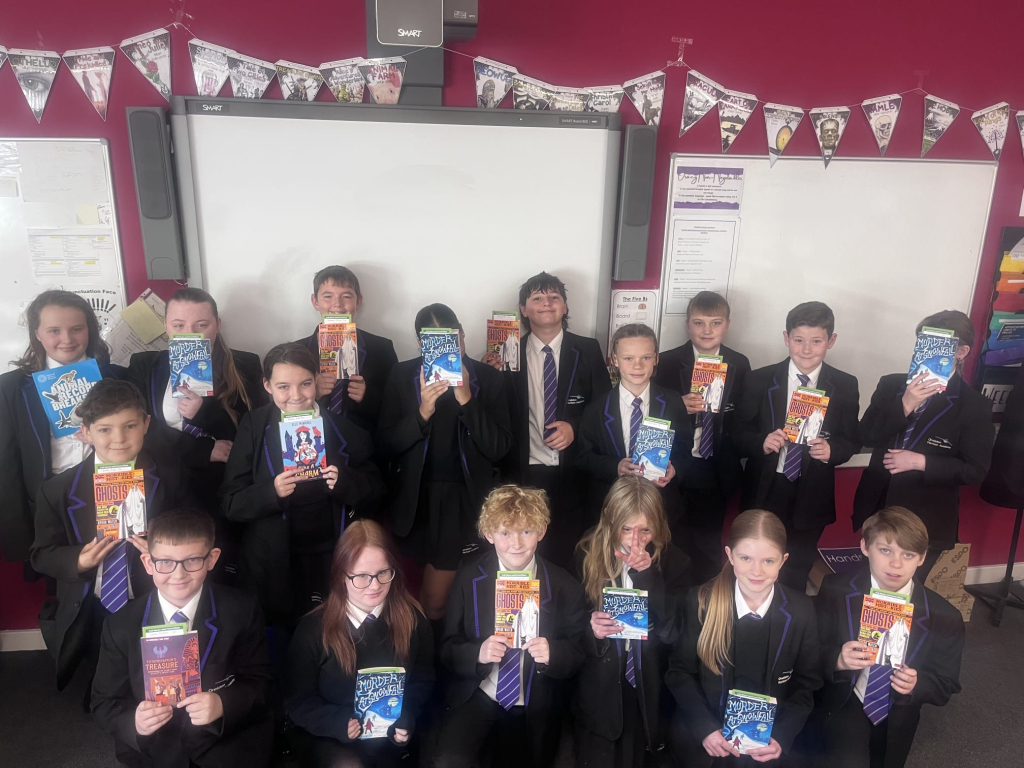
882 113
250 77
151 55
700 97
92 68
35 71
3 56
1020 126
939 114
781 123
992 123
829 125
209 66
384 78
568 99
734 110
298 82
604 98
647 94
493 81
530 93
343 79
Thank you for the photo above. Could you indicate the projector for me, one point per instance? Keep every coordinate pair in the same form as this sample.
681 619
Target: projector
460 19
411 23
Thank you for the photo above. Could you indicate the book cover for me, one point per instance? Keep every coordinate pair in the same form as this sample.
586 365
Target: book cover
298 82
250 77
61 391
604 98
885 626
383 78
343 79
151 55
935 355
92 68
302 444
209 66
170 667
748 720
120 494
339 350
378 701
653 448
806 414
708 381
191 358
442 355
493 81
628 607
503 339
516 607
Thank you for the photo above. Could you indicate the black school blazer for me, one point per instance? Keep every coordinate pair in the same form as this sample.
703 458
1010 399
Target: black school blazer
935 647
248 495
234 661
955 434
675 372
403 437
793 674
763 407
25 460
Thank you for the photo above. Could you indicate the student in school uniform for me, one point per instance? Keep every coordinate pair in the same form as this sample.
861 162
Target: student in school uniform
291 526
512 696
559 373
926 443
227 723
369 620
97 577
744 630
617 701
868 713
714 473
444 443
797 482
62 329
609 427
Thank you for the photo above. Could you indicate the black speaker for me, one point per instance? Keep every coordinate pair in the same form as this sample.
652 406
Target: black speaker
635 192
150 142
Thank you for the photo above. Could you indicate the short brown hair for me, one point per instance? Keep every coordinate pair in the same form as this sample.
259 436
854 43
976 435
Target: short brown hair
951 320
182 526
898 525
545 283
813 314
708 304
338 275
109 396
515 508
632 331
292 354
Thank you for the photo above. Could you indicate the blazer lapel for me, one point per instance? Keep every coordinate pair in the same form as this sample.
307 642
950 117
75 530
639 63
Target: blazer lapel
158 384
781 619
919 628
205 624
272 442
935 410
483 594
81 502
361 349
568 363
330 427
40 425
658 403
151 479
611 422
777 404
860 585
686 363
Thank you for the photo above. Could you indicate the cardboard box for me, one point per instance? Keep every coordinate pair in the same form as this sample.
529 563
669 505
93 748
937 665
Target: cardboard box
951 567
965 604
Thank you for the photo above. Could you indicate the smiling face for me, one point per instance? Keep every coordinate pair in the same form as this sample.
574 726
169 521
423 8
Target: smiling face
179 586
63 332
117 437
808 346
334 299
292 387
544 310
707 332
516 548
636 359
371 561
891 566
191 317
756 563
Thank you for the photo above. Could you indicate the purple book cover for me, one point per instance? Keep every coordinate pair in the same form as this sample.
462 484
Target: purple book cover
170 667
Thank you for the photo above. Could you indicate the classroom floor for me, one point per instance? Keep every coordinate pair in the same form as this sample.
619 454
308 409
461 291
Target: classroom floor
979 727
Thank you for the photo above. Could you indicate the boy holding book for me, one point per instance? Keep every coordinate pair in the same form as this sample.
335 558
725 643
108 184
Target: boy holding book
228 722
796 481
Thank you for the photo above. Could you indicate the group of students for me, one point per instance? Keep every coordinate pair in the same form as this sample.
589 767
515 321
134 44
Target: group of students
545 453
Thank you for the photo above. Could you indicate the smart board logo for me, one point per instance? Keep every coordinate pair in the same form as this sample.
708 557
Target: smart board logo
410 32
213 107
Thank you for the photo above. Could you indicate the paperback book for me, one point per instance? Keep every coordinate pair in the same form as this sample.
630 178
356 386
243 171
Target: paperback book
748 720
170 667
629 607
708 381
516 607
339 349
442 355
120 494
653 448
378 701
302 444
934 355
885 619
806 414
503 339
61 391
191 358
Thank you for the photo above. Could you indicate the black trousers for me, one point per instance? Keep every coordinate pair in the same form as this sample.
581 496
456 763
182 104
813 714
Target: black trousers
566 526
849 740
801 544
627 751
321 752
698 531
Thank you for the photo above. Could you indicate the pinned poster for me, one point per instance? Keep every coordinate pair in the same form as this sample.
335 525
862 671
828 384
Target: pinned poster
882 113
734 110
250 77
35 71
700 98
151 55
343 79
209 65
829 125
781 123
647 94
992 123
604 98
493 81
939 114
383 78
568 99
298 82
530 93
91 68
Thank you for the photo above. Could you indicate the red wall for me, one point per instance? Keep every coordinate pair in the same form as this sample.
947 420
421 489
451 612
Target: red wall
777 51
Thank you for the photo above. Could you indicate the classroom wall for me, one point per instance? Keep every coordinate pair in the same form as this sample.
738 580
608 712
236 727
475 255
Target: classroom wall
804 52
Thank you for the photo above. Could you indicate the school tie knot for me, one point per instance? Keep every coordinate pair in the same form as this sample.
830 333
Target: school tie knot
804 379
368 621
752 616
179 618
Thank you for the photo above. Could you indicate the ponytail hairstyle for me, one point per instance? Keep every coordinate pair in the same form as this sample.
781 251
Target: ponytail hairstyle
716 602
629 497
227 381
401 610
34 358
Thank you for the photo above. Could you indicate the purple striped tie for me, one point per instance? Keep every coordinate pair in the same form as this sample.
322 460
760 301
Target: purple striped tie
550 390
179 618
338 397
876 695
191 429
795 451
507 693
634 423
631 663
707 435
914 416
114 588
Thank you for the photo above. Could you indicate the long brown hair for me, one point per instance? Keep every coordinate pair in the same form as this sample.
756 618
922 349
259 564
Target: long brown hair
400 608
227 381
716 604
34 358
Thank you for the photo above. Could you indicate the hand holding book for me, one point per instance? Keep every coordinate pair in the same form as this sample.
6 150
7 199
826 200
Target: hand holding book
203 708
94 552
151 716
854 657
920 389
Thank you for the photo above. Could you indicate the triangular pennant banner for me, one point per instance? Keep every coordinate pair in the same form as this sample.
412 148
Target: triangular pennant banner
384 78
250 77
829 125
882 114
298 82
91 68
700 98
493 81
647 94
1020 126
939 114
992 123
209 65
781 123
530 93
151 55
3 56
35 71
734 110
343 79
604 98
568 99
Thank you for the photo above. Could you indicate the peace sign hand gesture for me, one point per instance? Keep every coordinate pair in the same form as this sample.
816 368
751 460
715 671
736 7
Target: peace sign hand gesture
638 559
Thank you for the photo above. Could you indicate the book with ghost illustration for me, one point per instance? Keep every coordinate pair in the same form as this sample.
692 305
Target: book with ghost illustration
516 607
503 339
806 415
120 494
708 381
885 619
339 348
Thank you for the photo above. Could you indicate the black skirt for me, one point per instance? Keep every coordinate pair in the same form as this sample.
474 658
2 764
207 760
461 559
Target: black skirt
444 530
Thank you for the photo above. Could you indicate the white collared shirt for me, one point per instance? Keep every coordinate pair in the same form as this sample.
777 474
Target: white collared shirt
189 609
861 685
792 383
489 684
742 609
67 451
170 408
540 453
357 615
698 429
626 399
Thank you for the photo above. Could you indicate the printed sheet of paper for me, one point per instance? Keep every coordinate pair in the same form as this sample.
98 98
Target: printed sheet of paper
698 188
701 260
62 172
69 253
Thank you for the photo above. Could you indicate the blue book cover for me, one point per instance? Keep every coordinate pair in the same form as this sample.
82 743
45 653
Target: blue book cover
748 720
934 354
629 608
653 447
191 364
302 444
442 355
379 694
61 390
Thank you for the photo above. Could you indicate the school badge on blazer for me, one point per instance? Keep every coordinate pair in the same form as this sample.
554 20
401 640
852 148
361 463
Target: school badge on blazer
575 400
784 678
940 442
